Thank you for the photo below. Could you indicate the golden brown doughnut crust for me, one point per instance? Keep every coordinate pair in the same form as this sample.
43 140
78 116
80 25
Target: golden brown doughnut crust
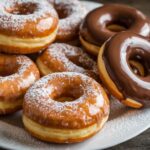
90 107
26 26
18 50
18 73
54 140
27 19
61 135
61 57
11 110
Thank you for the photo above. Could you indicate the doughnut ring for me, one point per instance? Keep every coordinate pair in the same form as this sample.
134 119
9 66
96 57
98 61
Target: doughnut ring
49 118
71 13
61 57
17 74
26 26
116 69
104 22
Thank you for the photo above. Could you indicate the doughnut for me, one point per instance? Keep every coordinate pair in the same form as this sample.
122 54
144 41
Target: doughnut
71 13
61 57
65 107
116 72
17 74
26 26
103 22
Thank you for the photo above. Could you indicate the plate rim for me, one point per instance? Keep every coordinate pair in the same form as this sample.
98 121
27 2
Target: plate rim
114 143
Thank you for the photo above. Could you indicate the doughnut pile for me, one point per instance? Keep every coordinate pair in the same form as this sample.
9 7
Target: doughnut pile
60 64
104 22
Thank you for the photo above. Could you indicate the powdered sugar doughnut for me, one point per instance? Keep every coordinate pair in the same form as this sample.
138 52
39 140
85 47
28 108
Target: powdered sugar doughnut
65 108
60 57
17 74
71 13
26 26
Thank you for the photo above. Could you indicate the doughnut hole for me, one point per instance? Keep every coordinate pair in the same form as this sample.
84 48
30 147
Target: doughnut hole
68 90
83 64
116 28
119 25
61 11
139 66
8 67
22 9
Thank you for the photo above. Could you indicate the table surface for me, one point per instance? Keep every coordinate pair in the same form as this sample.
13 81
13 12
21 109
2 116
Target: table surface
141 142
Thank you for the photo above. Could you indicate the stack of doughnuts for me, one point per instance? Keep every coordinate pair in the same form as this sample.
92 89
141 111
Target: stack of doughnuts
102 23
60 63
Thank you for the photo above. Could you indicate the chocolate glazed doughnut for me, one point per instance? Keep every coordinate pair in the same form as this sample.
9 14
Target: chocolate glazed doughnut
102 23
115 70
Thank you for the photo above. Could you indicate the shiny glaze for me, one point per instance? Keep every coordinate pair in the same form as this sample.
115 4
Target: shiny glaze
90 104
17 74
94 29
117 53
27 19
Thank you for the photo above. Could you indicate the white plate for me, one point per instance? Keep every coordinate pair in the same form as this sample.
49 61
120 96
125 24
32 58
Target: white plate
124 124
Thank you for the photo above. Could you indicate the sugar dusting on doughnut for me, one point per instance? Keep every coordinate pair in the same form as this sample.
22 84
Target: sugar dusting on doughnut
38 97
58 51
76 12
16 22
61 57
71 14
24 64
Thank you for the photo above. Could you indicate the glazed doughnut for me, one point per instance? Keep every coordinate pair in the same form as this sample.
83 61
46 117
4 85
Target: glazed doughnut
60 57
49 118
116 69
17 74
104 22
70 13
26 26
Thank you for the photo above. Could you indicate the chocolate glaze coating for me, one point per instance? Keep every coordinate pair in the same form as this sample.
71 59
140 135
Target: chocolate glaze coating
94 29
118 51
